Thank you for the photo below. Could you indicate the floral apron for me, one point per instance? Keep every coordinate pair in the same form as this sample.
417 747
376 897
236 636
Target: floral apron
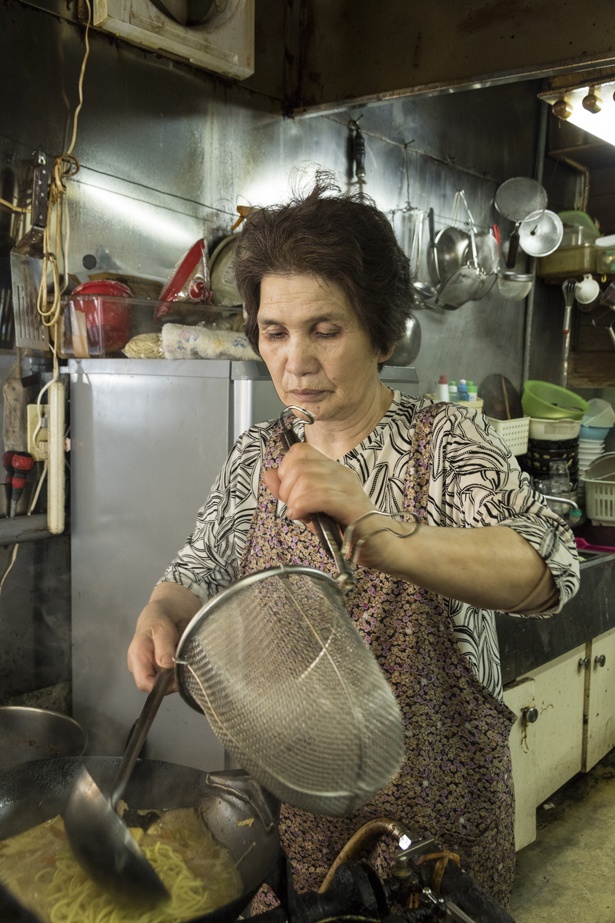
456 782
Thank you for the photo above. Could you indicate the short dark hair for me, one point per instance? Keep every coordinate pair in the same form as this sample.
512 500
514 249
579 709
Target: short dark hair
342 238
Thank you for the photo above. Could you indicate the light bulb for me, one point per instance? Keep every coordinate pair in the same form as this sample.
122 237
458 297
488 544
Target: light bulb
562 109
593 101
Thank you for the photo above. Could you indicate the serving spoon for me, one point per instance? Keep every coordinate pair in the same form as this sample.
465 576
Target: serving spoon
102 843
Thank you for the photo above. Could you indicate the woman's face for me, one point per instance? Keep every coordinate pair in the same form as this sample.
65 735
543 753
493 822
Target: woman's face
317 352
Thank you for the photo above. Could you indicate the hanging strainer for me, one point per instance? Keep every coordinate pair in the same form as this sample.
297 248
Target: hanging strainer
291 689
517 198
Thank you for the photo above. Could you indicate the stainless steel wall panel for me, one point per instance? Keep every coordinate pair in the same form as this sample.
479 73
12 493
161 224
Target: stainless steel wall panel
147 444
166 154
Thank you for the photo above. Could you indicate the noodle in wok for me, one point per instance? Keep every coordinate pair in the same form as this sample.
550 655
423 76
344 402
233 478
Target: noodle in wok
41 871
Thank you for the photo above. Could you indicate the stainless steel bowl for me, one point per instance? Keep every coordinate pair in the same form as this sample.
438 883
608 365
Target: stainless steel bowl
407 349
36 733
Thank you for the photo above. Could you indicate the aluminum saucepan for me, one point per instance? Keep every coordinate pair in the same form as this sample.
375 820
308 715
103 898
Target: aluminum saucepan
238 813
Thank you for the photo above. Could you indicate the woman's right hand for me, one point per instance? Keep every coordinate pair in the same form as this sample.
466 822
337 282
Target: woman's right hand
159 628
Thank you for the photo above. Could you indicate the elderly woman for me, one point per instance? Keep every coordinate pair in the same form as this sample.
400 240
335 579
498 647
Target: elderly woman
326 291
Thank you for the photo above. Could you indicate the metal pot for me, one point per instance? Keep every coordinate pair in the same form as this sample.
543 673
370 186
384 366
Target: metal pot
36 734
514 286
449 253
238 813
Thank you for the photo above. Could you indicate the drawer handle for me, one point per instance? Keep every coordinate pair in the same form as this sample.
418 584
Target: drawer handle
530 715
600 660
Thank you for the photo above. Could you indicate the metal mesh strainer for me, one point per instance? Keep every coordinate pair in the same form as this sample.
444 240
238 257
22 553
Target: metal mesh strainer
292 691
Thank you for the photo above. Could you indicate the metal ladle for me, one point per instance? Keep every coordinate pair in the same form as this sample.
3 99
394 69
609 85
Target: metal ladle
102 843
568 289
426 293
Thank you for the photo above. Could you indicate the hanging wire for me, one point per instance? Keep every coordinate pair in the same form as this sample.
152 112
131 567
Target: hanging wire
56 232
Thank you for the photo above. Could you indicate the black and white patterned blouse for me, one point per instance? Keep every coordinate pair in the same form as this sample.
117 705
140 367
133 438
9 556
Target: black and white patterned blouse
475 481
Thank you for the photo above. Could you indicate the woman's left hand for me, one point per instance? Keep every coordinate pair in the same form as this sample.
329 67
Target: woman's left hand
308 482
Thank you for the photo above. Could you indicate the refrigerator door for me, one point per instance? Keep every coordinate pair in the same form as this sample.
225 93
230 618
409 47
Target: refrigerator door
148 438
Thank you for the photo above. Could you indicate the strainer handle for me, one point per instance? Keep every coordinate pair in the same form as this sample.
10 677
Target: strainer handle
326 528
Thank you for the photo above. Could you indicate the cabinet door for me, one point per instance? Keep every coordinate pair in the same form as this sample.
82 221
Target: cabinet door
520 698
559 693
600 699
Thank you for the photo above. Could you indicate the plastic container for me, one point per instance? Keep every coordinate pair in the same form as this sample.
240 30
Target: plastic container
442 388
98 326
594 433
580 219
600 413
575 236
471 405
605 260
540 453
553 429
545 401
515 433
568 261
599 480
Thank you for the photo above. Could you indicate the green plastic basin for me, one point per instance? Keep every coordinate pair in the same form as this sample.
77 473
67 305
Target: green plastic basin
546 401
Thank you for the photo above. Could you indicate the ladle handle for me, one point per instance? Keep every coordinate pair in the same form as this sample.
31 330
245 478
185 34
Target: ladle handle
140 732
513 249
326 528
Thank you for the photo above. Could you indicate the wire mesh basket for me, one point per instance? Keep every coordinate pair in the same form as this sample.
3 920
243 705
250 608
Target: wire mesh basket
292 691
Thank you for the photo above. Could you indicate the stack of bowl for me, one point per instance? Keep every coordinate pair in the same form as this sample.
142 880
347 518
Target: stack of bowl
595 427
555 418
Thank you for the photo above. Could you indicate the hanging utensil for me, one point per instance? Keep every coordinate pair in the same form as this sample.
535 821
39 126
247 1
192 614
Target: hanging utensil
27 266
291 689
514 286
358 155
426 293
516 199
541 233
468 282
432 254
7 321
100 840
487 252
407 349
568 288
451 250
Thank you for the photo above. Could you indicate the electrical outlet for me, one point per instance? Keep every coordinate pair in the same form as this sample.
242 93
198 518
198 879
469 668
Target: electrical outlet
38 436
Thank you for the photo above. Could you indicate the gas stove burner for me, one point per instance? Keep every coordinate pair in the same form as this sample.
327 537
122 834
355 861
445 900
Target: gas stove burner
425 885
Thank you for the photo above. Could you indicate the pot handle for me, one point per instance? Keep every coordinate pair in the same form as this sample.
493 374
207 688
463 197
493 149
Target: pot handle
238 784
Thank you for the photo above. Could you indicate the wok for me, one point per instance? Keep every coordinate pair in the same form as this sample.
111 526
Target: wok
239 814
